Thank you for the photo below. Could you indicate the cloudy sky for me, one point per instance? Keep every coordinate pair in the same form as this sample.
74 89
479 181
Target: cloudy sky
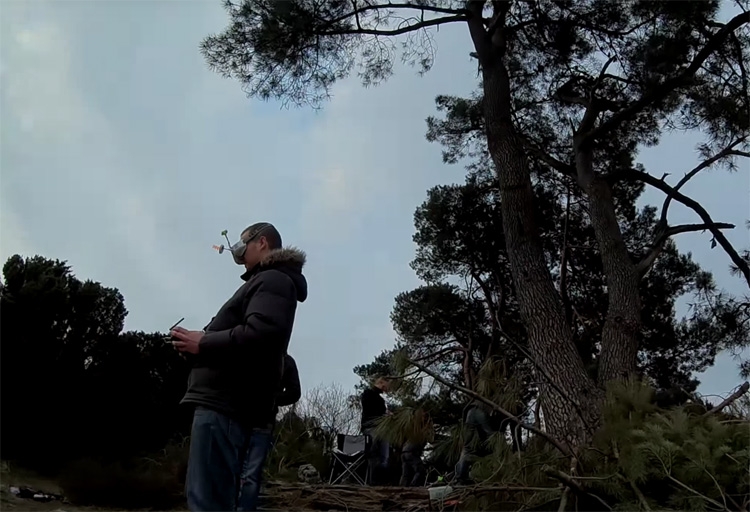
124 155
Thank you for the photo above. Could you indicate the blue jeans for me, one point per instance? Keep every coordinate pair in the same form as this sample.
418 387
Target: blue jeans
259 445
222 453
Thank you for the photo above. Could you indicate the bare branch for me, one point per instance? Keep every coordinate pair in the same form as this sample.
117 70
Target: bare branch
356 12
687 228
571 483
647 262
744 388
677 81
543 156
728 151
694 205
476 396
397 31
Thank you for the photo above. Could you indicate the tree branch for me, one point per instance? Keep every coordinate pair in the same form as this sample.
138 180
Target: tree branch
543 156
662 91
744 388
397 31
571 483
476 396
423 8
694 205
687 228
647 262
728 151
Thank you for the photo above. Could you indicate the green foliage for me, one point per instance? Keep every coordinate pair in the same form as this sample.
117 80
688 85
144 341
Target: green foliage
298 441
678 458
406 424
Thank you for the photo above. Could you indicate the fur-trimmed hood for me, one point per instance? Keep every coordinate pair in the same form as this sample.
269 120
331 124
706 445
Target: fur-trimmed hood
288 260
289 255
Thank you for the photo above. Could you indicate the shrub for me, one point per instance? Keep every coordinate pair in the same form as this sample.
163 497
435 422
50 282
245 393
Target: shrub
147 482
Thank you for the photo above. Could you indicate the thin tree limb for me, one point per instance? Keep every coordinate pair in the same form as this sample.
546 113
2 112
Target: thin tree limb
662 91
636 489
572 484
744 388
694 205
397 31
728 151
647 262
476 396
377 7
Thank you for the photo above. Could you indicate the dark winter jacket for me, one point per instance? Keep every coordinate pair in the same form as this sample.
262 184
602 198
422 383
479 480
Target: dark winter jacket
373 407
238 369
291 391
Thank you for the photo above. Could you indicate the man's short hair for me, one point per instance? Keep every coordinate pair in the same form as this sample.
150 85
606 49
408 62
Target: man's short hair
267 230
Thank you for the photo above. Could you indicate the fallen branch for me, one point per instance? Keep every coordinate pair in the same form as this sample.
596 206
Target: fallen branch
744 388
638 493
298 496
476 396
571 483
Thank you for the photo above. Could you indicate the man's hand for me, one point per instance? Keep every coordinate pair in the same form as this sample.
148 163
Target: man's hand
186 341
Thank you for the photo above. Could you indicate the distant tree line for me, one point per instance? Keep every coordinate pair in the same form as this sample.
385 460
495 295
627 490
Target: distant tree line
74 384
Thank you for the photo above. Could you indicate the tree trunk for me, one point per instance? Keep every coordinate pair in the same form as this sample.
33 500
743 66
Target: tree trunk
550 338
620 335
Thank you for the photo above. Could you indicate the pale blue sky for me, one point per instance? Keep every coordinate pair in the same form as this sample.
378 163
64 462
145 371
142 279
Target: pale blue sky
123 154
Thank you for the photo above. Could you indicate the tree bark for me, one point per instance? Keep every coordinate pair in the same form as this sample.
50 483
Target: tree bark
621 331
550 337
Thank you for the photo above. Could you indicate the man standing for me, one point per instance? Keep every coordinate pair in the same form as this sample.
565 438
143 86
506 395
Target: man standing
413 471
373 408
479 426
252 468
238 370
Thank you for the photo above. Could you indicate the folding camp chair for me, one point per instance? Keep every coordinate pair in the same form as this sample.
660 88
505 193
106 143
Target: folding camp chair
348 457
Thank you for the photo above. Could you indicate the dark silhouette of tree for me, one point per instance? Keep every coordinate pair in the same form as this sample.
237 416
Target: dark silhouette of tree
74 385
573 87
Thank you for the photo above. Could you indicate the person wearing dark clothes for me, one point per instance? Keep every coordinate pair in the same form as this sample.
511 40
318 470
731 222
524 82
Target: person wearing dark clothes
479 426
291 391
413 471
373 408
252 468
237 370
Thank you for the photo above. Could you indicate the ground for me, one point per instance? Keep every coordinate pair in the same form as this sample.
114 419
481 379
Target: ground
278 496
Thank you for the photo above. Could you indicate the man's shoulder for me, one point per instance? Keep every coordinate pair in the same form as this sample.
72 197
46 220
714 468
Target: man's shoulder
272 278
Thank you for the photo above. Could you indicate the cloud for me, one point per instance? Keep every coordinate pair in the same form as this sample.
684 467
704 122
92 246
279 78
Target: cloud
13 237
81 175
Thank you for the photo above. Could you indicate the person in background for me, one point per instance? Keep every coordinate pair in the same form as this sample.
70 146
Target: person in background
413 471
479 426
252 468
374 408
237 371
